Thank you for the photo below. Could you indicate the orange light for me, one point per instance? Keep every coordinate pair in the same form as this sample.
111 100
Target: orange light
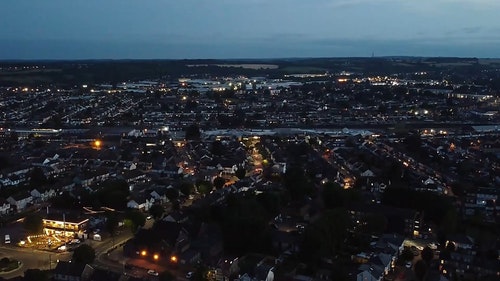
173 259
155 257
144 253
97 143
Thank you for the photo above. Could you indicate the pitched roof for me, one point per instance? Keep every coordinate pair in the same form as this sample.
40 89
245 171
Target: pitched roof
69 268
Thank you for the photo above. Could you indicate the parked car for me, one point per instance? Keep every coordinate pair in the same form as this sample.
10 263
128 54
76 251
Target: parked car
152 272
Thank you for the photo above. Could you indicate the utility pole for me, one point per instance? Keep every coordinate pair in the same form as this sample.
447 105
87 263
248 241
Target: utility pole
64 228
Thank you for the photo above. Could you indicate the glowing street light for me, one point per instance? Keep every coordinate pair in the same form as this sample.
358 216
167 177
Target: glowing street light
173 259
155 257
97 143
144 253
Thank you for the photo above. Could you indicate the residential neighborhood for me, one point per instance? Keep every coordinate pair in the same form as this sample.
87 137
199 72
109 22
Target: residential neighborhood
310 176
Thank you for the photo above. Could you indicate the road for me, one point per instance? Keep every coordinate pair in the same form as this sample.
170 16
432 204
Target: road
31 258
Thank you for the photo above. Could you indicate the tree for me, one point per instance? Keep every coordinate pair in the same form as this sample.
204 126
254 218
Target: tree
406 255
204 187
217 148
450 246
166 276
156 211
193 132
37 177
172 194
375 223
326 236
219 182
114 194
186 188
64 201
84 254
241 173
420 270
332 195
134 219
427 254
33 224
200 273
297 183
36 275
111 223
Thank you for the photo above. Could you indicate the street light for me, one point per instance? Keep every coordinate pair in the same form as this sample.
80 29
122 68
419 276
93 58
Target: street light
155 257
173 259
144 253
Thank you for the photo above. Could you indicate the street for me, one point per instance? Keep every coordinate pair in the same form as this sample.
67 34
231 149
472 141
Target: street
31 258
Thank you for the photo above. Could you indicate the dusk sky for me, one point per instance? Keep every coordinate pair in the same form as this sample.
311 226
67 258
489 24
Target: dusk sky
167 29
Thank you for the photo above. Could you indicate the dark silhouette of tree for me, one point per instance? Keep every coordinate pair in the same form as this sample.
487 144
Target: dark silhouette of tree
156 211
36 275
420 269
435 206
33 224
427 254
241 173
186 188
217 148
450 246
375 223
14 136
219 182
406 255
325 237
200 273
114 194
244 223
134 219
111 223
37 177
193 132
297 183
332 195
84 254
172 194
271 201
166 276
204 187
4 162
64 201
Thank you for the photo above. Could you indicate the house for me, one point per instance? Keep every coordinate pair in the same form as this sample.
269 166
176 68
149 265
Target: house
461 241
132 176
105 275
141 202
190 257
72 271
286 240
159 195
20 200
67 224
42 194
369 274
176 216
4 207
